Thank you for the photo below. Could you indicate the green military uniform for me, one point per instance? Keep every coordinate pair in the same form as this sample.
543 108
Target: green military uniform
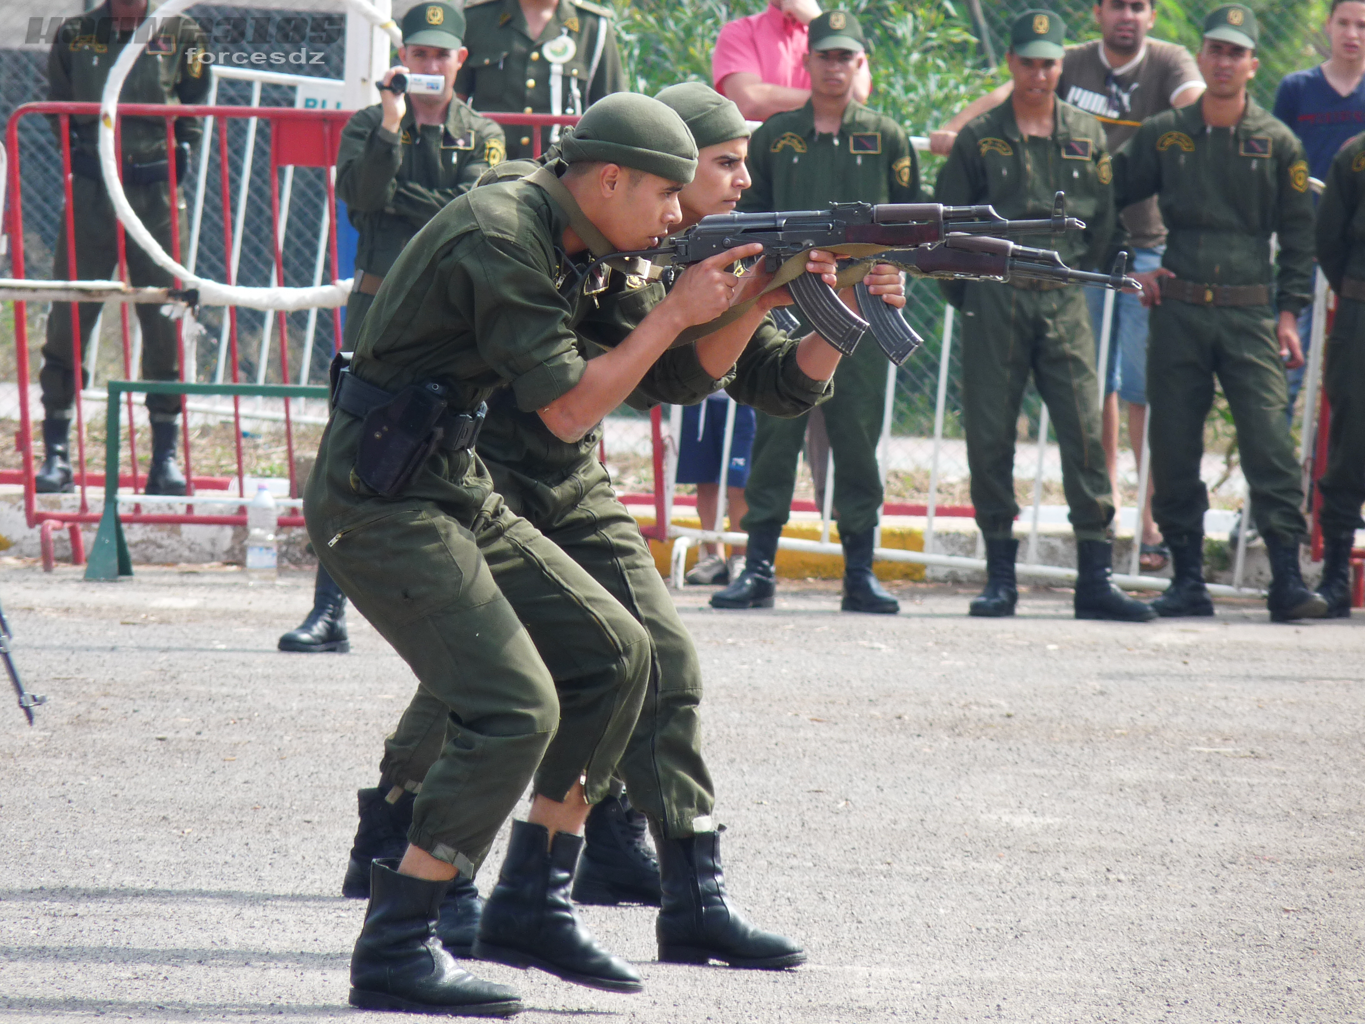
507 70
77 68
393 184
1013 329
1341 255
794 167
1223 192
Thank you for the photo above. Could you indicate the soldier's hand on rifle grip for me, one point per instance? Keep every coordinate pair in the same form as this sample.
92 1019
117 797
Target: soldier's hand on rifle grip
395 104
707 289
825 264
884 280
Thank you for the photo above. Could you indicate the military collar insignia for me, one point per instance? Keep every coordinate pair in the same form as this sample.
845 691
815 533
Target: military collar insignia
868 143
992 145
791 139
1256 146
1077 149
571 23
503 20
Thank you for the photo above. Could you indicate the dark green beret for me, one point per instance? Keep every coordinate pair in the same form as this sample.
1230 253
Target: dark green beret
634 131
709 116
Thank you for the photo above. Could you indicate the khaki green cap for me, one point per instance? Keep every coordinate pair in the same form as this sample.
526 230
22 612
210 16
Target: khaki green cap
709 116
634 131
836 30
1038 34
434 24
1233 23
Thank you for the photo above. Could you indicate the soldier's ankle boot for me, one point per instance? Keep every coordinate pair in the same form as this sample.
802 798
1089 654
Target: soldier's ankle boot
529 920
54 475
458 923
1187 595
862 591
325 627
758 582
382 833
164 476
1289 597
617 865
1002 592
398 962
1096 595
1335 585
698 922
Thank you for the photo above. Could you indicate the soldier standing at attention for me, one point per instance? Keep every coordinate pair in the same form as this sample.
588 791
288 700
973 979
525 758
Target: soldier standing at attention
399 163
1341 255
831 150
1017 157
1227 176
538 57
77 68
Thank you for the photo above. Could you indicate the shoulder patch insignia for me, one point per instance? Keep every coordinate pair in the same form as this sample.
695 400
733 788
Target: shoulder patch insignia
865 142
996 146
494 150
1256 145
1298 175
1077 149
788 139
1358 164
1179 140
1104 170
901 169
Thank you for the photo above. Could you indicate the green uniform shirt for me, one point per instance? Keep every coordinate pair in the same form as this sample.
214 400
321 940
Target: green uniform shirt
78 66
1223 192
508 70
868 160
993 162
1341 216
393 184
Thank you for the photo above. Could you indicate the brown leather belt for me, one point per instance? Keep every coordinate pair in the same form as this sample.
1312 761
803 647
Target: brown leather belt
366 283
1029 284
1353 288
1197 294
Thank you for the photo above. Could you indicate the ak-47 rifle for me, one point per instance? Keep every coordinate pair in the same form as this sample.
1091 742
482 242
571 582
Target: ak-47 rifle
27 701
899 231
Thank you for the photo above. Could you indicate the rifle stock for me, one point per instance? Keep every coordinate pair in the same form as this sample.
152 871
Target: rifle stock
27 701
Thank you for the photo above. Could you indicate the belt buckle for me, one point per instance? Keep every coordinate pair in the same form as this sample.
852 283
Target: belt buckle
1208 295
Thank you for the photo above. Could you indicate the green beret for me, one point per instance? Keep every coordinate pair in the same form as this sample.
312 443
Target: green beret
709 116
634 131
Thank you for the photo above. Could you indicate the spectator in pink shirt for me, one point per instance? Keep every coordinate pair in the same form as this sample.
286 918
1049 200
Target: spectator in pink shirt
758 60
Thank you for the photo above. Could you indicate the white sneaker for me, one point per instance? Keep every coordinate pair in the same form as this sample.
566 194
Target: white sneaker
735 565
710 571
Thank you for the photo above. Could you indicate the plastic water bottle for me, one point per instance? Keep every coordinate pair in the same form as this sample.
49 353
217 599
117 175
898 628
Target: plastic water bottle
262 520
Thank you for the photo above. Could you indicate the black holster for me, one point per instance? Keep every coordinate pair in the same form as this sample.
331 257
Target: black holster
397 437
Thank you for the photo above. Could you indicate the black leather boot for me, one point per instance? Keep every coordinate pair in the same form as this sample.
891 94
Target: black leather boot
862 591
1002 592
698 922
1335 585
758 582
1187 595
164 476
1096 595
461 911
617 865
1289 597
398 962
54 475
325 627
529 920
382 832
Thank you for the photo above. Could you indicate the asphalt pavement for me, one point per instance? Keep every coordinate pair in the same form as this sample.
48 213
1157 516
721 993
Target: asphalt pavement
1033 819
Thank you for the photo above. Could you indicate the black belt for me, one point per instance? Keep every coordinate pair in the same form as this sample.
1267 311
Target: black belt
459 430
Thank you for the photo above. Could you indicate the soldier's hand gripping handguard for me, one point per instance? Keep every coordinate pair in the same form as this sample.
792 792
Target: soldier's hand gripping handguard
925 239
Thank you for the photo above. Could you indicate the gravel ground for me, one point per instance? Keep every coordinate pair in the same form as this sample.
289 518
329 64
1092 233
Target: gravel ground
1034 819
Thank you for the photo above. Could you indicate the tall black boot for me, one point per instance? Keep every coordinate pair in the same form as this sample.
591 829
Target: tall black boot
862 591
54 475
398 962
461 911
164 476
1289 597
529 920
1335 585
617 865
1187 595
758 582
1002 592
698 922
1096 595
382 832
325 627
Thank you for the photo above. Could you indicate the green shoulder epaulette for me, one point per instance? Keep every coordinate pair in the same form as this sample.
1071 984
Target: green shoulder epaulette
600 10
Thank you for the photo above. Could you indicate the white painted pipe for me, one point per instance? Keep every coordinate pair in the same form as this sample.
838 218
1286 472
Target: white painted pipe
939 405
